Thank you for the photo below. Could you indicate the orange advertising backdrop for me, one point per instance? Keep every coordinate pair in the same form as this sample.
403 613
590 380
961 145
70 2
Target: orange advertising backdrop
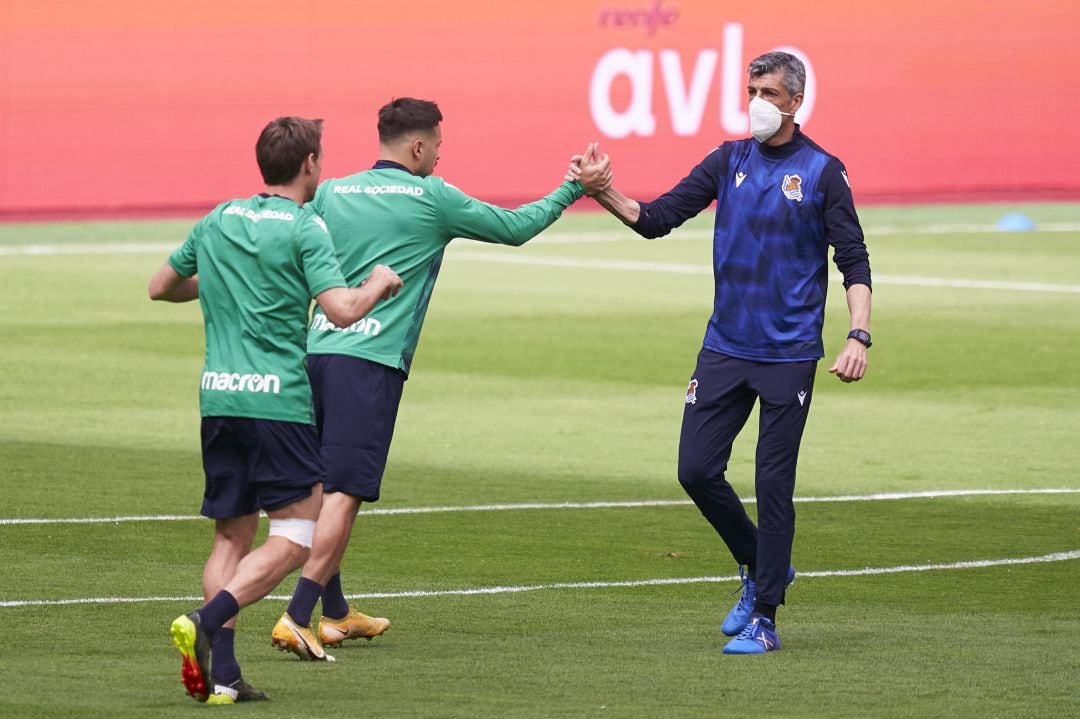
144 106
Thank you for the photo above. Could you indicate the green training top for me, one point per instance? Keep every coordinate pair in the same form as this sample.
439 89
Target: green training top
389 216
259 261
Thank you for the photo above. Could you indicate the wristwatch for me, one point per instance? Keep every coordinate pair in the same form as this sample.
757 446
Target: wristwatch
861 336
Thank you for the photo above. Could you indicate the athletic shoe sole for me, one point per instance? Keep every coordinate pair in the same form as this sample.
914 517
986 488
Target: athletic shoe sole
194 669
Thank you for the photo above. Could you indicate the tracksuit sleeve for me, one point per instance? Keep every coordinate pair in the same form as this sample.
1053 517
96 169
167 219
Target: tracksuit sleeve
842 228
467 217
693 194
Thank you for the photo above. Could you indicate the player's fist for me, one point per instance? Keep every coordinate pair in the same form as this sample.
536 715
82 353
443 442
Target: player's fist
850 364
386 278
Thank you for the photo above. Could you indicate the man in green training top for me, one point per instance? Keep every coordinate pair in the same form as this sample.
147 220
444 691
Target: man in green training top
254 265
395 213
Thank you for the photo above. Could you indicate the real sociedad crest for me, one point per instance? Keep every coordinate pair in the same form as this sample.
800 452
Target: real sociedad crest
792 187
691 392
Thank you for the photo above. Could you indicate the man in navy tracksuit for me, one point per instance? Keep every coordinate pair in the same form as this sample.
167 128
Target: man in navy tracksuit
781 201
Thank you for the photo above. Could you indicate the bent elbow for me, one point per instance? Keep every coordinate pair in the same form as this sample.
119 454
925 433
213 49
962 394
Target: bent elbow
648 229
337 316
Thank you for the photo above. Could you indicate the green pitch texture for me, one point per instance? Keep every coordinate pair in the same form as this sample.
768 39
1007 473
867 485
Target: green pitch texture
564 382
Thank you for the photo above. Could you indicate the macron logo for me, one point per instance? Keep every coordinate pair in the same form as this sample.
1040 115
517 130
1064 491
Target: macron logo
235 382
739 177
365 326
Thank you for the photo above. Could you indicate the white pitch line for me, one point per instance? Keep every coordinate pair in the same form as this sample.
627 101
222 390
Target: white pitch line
552 237
681 268
475 591
113 248
972 284
577 263
102 520
561 237
878 497
678 268
868 571
968 228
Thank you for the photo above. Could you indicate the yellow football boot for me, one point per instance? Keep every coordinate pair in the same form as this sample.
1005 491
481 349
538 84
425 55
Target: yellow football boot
354 625
288 636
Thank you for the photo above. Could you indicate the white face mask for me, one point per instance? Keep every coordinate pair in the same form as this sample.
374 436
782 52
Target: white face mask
765 119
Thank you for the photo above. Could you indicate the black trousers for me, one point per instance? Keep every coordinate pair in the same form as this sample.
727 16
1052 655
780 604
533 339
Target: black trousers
721 396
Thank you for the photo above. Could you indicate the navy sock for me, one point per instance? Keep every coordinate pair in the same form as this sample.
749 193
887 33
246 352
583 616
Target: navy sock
333 599
303 601
225 669
217 611
766 610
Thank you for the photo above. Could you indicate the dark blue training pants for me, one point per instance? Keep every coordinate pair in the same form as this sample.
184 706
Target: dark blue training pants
719 400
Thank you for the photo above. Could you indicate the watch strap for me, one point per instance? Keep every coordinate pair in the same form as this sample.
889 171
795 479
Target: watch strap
861 336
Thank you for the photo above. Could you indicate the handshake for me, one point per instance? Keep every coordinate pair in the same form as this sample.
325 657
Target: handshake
591 170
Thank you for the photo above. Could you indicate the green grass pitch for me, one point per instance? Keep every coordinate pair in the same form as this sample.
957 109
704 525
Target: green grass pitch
555 373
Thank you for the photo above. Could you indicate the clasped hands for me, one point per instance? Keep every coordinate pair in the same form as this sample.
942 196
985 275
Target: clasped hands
591 170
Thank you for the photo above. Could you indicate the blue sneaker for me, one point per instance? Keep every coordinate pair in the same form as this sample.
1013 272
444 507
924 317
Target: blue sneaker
739 615
758 637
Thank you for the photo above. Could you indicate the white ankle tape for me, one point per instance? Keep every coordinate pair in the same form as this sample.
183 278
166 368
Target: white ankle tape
297 531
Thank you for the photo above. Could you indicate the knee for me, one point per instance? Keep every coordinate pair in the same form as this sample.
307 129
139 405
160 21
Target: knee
291 555
693 475
299 555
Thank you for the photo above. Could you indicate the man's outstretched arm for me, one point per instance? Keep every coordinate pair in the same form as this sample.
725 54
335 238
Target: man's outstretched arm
653 219
467 217
618 204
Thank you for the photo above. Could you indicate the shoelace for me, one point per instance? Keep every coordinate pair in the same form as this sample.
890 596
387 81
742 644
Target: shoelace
745 599
748 631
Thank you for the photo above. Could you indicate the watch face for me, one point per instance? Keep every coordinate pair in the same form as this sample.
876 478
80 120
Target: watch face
860 335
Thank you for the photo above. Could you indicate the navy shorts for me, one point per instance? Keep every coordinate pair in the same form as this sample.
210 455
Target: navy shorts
254 464
356 405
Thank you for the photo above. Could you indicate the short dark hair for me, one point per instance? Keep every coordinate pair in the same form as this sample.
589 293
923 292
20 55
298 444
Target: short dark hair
791 69
403 115
283 146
